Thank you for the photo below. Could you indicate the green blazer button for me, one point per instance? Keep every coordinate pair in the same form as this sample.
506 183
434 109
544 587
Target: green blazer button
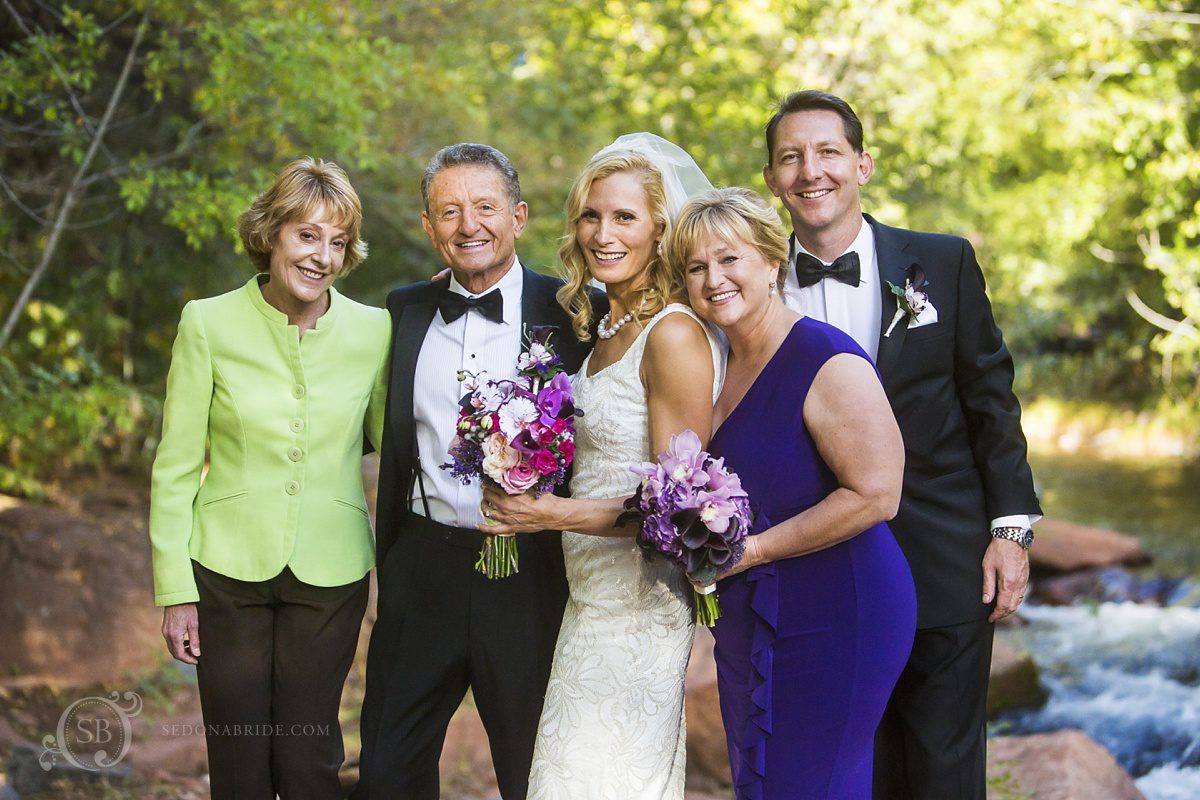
295 454
297 425
298 391
292 487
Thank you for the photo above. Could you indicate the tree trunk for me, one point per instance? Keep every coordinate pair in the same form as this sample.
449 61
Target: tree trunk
71 195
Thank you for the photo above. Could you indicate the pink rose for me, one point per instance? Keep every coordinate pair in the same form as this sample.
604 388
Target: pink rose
519 478
567 449
498 457
559 425
545 436
545 462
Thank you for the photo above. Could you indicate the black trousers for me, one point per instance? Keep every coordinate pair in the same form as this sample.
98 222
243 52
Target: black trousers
931 743
442 628
274 658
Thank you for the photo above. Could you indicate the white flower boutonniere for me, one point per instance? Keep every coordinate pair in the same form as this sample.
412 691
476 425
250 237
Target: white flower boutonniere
911 299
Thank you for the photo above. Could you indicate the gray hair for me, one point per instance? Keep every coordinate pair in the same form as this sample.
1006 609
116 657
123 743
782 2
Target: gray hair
470 154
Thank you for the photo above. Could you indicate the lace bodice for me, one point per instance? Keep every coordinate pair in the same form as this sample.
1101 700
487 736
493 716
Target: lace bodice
614 432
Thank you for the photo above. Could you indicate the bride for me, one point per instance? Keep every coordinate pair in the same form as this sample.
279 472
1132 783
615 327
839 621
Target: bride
612 725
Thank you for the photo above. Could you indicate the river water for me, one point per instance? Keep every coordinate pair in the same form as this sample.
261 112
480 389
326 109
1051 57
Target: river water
1127 673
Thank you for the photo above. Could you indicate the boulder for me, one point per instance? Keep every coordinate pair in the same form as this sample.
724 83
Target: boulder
169 743
1014 680
1066 590
1066 547
1063 765
78 605
1110 585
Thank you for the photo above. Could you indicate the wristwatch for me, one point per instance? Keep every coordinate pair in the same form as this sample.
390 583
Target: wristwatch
1015 533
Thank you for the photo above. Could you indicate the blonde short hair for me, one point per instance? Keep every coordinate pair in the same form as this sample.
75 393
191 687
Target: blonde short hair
302 187
661 287
732 215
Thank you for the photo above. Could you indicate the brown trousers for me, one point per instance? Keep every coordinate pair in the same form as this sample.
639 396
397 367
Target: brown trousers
274 657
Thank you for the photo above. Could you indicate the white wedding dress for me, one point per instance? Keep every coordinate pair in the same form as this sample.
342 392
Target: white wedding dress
612 727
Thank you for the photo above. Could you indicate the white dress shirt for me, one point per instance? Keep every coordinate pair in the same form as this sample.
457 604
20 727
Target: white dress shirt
473 343
855 310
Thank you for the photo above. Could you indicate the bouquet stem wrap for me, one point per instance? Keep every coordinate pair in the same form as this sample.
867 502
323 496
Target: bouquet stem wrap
708 610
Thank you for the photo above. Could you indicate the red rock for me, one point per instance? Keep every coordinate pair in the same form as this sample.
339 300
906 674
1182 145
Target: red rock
76 585
175 747
707 756
1064 590
1014 680
1066 547
1063 765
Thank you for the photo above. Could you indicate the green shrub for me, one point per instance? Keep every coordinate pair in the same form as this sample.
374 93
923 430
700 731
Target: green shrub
56 420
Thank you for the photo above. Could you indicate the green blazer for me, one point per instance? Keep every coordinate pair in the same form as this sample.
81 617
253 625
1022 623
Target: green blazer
283 417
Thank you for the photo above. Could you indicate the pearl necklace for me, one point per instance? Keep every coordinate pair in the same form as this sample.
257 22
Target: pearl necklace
605 332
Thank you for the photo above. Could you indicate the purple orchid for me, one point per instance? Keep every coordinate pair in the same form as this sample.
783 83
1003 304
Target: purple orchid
683 461
692 510
551 401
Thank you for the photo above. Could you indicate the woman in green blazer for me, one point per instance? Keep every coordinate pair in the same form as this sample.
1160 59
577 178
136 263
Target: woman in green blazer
266 557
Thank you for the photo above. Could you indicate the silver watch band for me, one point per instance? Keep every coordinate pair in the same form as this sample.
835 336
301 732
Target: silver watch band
1014 533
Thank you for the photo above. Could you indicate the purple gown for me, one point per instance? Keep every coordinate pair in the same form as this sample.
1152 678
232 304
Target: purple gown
808 648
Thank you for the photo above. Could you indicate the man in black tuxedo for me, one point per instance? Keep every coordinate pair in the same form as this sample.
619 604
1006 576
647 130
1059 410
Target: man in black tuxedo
968 501
442 627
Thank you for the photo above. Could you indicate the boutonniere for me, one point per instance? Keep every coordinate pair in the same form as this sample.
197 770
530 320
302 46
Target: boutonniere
911 299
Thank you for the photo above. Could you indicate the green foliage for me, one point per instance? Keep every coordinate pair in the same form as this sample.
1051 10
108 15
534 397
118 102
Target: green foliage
1059 137
57 420
1002 786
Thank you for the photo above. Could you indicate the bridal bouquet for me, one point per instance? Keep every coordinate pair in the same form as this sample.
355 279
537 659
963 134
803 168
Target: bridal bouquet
516 434
693 511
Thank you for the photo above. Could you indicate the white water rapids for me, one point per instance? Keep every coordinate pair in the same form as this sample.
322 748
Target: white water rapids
1126 674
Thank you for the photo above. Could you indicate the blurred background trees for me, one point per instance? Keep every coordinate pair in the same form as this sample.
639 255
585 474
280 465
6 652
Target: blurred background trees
1060 137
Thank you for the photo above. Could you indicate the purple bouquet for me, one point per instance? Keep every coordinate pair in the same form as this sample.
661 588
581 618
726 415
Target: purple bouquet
518 435
693 511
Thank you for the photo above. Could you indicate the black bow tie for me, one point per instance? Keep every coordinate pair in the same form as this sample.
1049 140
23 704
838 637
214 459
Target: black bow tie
453 305
810 270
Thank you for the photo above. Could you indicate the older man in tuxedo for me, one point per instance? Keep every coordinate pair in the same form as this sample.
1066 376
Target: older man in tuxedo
968 502
442 627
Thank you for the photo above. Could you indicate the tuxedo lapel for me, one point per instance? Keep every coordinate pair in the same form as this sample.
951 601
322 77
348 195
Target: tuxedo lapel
893 266
538 304
410 335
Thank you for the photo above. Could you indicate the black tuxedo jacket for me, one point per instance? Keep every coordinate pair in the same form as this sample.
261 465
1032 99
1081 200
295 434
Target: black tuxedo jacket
412 308
950 387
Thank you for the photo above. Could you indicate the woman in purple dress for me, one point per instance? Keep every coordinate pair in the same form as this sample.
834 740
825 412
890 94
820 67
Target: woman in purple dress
818 617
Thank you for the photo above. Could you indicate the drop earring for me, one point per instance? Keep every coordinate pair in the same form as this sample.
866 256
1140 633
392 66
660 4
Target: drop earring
771 286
